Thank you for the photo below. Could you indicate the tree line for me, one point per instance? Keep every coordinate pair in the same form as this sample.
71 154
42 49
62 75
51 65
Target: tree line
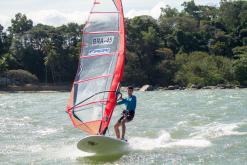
201 45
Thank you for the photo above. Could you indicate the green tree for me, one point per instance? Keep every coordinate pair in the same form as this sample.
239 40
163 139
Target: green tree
192 9
222 44
239 50
20 24
133 72
243 36
166 68
240 69
1 40
3 64
201 69
159 52
168 12
233 14
142 40
5 41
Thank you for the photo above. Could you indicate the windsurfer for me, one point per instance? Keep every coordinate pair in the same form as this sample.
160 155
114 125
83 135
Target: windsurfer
128 114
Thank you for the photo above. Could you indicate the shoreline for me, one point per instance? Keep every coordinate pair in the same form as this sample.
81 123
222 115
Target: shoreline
49 88
36 88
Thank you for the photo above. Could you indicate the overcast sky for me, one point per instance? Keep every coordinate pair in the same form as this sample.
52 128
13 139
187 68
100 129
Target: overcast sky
58 12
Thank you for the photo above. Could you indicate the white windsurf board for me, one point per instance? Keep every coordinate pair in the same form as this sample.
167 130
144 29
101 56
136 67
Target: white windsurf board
103 145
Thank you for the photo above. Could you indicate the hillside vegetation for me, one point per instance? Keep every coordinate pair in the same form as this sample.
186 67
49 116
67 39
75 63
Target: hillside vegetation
201 45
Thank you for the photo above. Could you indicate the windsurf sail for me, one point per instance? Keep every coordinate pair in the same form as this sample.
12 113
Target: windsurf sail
93 95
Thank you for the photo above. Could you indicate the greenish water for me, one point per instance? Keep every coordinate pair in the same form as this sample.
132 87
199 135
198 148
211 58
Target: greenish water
206 127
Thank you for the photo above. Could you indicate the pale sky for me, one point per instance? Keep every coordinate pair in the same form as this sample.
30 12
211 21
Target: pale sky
58 12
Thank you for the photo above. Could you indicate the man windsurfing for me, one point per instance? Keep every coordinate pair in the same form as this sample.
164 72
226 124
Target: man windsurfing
128 114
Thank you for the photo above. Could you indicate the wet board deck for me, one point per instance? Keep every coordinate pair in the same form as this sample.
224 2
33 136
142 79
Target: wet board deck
103 145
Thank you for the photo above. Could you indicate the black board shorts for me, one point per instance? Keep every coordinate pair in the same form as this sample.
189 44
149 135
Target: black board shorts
129 116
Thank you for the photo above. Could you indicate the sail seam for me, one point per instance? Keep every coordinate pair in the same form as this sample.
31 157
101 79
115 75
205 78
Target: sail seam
98 55
95 102
92 78
104 12
101 32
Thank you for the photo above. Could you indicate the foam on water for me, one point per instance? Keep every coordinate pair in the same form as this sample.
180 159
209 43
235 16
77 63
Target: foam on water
47 131
36 133
143 143
165 141
215 130
182 123
15 122
35 148
193 142
66 151
26 118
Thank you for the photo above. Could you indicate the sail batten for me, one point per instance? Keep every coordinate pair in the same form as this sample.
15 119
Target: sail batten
101 32
108 54
100 69
92 78
104 12
94 102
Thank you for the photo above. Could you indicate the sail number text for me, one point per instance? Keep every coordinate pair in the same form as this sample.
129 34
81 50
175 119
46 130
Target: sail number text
105 40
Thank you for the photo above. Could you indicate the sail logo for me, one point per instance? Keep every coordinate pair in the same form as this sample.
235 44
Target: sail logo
106 40
99 51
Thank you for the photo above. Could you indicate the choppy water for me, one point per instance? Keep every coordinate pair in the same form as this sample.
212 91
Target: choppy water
171 127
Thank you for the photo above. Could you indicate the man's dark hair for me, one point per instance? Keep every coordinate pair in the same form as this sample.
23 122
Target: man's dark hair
130 87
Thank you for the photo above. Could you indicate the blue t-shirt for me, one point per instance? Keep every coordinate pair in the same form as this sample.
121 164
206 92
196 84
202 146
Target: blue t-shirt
129 102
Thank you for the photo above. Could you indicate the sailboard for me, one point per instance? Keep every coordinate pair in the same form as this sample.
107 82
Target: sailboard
103 145
93 96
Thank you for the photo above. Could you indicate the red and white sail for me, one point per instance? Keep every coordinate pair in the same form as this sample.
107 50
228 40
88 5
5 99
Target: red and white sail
93 95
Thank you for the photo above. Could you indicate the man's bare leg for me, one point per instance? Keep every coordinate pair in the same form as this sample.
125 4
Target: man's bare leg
123 127
116 127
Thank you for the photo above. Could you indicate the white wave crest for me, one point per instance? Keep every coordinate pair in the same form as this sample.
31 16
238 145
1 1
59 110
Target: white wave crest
149 143
215 130
66 151
201 143
47 131
165 141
